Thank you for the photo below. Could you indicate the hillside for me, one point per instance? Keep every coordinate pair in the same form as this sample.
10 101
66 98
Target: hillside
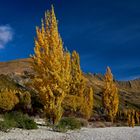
16 66
18 71
129 91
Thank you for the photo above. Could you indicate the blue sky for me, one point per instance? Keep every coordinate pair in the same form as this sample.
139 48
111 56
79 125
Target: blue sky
104 32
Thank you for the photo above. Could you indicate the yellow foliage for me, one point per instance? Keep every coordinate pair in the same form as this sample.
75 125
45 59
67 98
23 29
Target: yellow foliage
131 117
8 99
110 95
125 112
24 99
52 67
59 78
87 104
72 103
137 118
80 97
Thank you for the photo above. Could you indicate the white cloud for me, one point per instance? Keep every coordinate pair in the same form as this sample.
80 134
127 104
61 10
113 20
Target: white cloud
6 35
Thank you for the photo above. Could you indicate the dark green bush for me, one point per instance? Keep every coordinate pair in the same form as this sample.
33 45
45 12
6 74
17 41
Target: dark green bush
21 120
27 123
7 124
4 126
68 123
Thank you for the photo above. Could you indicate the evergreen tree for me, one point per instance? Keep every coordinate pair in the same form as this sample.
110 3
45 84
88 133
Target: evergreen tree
110 96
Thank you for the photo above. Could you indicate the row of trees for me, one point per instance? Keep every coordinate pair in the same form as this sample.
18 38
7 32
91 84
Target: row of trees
59 79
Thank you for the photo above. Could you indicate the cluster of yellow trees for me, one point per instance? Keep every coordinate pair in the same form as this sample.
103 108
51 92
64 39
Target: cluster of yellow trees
131 115
11 98
59 80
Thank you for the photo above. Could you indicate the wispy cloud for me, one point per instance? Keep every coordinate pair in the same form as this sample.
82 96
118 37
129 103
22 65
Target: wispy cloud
6 35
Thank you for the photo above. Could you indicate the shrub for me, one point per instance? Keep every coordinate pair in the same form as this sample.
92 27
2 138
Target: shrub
21 120
4 126
7 124
27 123
68 123
83 122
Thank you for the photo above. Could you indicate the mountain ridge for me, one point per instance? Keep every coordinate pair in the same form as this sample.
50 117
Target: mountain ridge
25 64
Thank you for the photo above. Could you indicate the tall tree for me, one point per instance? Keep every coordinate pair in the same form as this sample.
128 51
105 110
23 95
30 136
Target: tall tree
110 95
87 104
80 97
52 66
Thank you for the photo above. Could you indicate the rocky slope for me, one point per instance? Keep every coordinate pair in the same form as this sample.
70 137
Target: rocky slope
129 91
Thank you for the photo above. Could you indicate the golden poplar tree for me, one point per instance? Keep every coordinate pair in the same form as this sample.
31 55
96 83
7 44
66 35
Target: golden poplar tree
80 97
87 104
110 95
52 66
131 117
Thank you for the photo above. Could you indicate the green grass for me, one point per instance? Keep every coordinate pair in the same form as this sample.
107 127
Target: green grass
68 123
19 120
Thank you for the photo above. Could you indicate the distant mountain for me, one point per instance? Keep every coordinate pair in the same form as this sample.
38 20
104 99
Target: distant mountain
18 71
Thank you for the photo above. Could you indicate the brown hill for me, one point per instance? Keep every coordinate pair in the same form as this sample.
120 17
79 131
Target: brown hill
129 91
15 66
